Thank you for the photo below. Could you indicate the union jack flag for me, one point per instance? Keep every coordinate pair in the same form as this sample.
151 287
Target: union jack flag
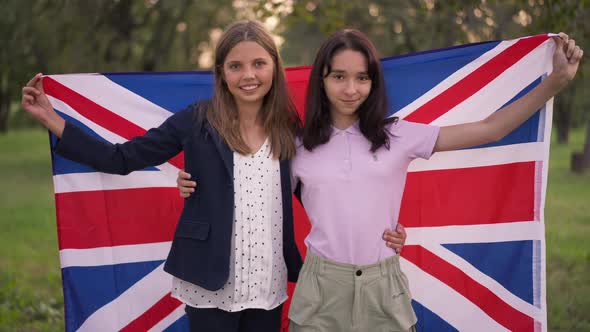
475 253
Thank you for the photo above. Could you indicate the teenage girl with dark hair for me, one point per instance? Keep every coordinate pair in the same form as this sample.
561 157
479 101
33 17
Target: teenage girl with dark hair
352 165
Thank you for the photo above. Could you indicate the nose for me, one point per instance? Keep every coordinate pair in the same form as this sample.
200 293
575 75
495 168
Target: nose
249 72
350 87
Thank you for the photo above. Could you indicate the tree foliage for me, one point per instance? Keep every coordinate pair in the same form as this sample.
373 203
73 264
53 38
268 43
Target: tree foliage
65 36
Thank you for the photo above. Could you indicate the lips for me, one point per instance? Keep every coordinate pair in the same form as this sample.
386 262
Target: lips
249 87
349 102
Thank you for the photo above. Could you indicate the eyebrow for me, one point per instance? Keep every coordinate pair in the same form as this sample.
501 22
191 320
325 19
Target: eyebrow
340 71
238 61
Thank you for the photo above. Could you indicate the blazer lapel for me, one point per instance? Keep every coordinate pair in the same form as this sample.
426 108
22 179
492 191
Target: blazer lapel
224 151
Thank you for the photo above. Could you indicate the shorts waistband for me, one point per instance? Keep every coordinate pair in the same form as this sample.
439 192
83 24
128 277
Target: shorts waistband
320 265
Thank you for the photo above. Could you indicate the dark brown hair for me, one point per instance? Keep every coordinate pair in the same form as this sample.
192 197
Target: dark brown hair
318 122
278 114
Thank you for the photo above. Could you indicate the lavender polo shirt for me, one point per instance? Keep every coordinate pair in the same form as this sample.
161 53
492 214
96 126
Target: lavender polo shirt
352 195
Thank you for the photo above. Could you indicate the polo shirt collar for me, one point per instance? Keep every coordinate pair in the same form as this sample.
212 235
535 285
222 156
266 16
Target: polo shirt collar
354 129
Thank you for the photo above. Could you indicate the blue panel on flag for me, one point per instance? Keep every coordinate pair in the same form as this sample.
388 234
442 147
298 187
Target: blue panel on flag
180 325
171 91
509 263
62 165
429 321
528 132
423 71
86 289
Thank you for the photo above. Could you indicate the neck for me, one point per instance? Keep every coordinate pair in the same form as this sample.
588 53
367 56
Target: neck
251 128
341 121
248 115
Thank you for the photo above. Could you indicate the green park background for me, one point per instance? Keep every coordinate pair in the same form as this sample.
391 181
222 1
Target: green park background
68 36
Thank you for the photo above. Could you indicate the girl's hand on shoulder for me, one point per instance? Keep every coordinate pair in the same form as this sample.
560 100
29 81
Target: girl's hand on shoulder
566 58
35 102
185 186
395 239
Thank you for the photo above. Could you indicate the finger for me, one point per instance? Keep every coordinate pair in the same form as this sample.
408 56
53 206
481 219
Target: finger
34 80
28 99
186 190
577 55
184 174
184 195
392 234
31 91
563 36
388 234
39 84
394 239
401 229
186 183
393 245
571 46
559 43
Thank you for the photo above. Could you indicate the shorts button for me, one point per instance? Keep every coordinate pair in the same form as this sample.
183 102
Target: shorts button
359 272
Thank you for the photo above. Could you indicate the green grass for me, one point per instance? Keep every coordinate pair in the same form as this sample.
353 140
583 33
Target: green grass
30 280
567 229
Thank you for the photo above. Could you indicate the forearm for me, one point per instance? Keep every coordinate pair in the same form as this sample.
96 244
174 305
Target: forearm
504 121
54 123
500 123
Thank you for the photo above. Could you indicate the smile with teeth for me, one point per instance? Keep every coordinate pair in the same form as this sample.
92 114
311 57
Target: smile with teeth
249 87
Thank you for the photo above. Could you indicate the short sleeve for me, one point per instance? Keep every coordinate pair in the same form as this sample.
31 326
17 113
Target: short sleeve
418 139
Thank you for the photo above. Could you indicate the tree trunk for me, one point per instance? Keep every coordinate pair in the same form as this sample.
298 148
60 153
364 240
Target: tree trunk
581 160
562 124
4 110
563 114
587 144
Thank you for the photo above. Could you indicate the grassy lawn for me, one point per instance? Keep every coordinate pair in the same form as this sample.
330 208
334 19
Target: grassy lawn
567 222
30 280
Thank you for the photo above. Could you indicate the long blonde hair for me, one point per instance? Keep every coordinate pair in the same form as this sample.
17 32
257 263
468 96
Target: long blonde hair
278 113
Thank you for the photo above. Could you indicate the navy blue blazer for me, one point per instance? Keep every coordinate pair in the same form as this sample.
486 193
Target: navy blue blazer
201 246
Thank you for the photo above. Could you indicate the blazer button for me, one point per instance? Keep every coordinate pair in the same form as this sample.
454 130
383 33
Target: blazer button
358 273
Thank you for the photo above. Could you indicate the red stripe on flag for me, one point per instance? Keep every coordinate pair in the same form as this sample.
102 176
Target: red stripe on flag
153 315
93 219
475 81
297 80
469 196
98 114
485 299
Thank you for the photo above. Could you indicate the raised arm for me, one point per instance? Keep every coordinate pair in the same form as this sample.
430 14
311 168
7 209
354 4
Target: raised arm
36 103
566 59
154 148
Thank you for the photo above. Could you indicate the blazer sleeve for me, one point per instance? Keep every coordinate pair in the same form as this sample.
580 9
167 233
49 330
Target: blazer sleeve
155 147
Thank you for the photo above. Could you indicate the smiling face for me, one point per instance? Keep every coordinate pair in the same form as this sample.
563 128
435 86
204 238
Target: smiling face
347 86
248 72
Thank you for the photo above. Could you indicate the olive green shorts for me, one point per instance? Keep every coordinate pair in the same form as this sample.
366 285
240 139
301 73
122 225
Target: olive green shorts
333 296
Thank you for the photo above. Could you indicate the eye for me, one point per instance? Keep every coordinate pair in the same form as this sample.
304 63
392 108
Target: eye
337 76
364 78
259 63
234 66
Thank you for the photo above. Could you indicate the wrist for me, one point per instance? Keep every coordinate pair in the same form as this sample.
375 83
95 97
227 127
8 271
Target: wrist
54 123
557 81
